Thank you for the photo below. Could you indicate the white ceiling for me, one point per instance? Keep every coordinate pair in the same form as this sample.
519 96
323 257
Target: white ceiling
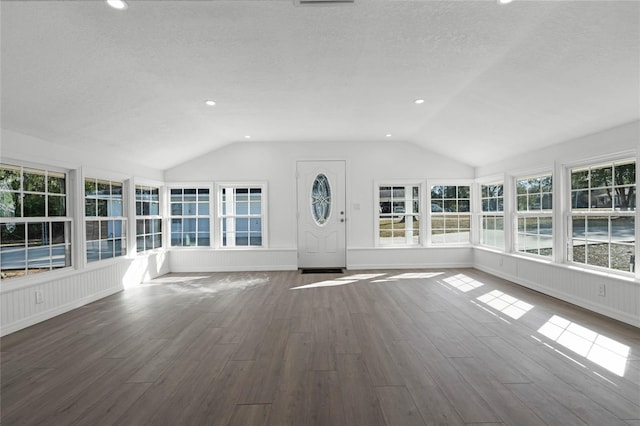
497 80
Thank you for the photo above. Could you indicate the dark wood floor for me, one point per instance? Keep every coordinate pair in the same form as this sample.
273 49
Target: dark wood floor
362 348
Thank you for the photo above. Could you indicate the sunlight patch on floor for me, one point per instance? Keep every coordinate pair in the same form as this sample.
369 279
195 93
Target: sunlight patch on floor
415 275
409 276
508 305
362 276
463 282
607 353
340 281
328 283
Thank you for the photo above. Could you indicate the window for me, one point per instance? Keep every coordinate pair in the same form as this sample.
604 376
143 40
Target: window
105 221
241 215
450 214
190 220
34 227
492 217
534 206
603 205
148 219
399 215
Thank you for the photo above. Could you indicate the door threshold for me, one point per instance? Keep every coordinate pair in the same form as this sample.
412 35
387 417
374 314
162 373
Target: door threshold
322 271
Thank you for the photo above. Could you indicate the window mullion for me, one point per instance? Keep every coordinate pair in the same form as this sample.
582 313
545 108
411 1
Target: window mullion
231 214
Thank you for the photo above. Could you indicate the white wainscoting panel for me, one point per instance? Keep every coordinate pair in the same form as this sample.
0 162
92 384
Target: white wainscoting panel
208 260
571 284
406 257
64 292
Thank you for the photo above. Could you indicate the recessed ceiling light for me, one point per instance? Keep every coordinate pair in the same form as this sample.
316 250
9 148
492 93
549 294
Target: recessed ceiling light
388 135
117 4
210 103
419 101
247 137
504 1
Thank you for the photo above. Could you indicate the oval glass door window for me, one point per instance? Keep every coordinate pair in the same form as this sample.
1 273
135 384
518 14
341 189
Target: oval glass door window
321 199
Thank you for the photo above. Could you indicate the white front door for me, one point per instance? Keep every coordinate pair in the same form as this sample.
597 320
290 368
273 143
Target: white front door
321 214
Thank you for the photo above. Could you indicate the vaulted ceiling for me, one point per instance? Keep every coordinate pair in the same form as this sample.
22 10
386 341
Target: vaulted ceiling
497 80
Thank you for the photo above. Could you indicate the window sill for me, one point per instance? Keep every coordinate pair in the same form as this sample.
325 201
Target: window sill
382 246
620 275
490 249
105 263
249 248
211 248
189 248
451 245
148 253
533 258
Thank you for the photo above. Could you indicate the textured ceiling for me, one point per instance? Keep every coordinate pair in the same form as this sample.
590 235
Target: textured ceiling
497 80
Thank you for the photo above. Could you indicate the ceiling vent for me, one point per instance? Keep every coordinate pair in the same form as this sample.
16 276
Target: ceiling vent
321 2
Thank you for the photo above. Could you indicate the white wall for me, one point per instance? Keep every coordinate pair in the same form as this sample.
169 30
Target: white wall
619 139
275 163
559 279
28 148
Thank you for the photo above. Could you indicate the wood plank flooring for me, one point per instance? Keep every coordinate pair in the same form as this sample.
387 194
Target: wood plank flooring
364 348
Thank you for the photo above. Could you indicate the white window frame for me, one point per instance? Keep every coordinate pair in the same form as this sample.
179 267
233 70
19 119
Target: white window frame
123 219
589 213
169 216
230 214
408 200
470 213
67 219
531 214
482 214
153 217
